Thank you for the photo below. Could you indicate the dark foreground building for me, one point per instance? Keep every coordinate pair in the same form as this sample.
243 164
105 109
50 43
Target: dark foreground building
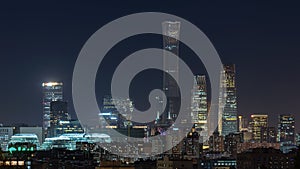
266 158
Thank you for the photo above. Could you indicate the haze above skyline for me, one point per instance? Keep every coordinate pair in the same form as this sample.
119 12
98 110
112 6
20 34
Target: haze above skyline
40 42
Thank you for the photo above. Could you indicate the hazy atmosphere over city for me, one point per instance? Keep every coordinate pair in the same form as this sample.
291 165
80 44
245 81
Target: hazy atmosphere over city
150 84
41 41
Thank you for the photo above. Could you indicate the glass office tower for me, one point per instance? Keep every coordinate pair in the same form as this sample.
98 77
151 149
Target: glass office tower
228 111
52 91
286 132
171 32
199 106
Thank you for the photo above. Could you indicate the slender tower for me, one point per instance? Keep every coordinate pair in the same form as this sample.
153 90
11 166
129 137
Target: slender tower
228 107
199 106
171 32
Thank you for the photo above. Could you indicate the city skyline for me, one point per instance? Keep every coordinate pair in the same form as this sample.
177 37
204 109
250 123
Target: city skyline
51 57
150 85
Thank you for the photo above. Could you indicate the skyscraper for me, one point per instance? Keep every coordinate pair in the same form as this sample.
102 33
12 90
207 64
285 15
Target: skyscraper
58 112
228 107
171 32
199 106
286 132
52 91
258 122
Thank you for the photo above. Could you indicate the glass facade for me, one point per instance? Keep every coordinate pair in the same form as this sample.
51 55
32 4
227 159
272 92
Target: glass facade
286 132
228 107
199 106
171 31
58 112
52 91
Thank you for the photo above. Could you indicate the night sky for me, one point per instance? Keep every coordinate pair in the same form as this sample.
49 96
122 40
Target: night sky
41 41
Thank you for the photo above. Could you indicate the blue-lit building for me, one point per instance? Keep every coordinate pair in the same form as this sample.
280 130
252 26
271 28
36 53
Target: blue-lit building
52 91
68 141
286 132
5 134
24 142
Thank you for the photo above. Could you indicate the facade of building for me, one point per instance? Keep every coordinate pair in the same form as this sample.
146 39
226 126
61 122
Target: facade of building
231 141
112 109
38 131
199 107
171 32
216 142
68 127
23 139
52 91
5 135
286 132
242 147
258 121
269 134
228 107
265 158
243 124
58 112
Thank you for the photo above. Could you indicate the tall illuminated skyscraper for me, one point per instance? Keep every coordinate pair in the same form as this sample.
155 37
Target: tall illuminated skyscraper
257 124
199 106
228 107
171 31
52 91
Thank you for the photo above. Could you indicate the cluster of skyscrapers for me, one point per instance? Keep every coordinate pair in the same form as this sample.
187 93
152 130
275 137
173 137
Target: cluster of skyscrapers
232 135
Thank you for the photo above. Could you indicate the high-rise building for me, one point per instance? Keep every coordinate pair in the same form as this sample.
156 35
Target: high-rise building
269 134
228 107
58 112
171 32
258 121
216 142
231 141
115 111
52 91
286 132
243 123
5 135
199 106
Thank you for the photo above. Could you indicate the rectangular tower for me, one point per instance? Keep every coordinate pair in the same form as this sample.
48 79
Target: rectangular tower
257 124
52 91
228 109
199 106
171 32
286 132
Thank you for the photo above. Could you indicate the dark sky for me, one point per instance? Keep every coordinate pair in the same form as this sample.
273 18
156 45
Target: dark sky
41 41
